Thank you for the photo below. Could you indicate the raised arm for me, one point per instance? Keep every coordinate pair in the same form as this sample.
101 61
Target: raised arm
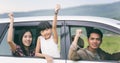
10 33
54 27
78 33
73 55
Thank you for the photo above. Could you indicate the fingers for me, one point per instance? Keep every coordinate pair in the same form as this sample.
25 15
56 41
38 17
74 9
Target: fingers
57 8
78 32
10 15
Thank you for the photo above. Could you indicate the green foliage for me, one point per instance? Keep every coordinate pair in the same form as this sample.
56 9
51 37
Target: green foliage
111 44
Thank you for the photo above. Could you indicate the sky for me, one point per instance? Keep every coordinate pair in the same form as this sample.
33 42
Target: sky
31 5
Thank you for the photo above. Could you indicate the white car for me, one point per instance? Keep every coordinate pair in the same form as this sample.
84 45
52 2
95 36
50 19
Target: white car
66 27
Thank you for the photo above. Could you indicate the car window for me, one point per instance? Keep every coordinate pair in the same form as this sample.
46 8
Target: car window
110 41
35 34
4 47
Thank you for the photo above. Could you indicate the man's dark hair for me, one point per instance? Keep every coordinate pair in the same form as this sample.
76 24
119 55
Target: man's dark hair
95 31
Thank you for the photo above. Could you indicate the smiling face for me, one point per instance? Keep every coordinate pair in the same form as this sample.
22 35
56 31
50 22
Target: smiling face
27 38
94 41
46 33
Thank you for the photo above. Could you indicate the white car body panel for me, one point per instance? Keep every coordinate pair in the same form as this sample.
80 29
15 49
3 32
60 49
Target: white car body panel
108 21
38 60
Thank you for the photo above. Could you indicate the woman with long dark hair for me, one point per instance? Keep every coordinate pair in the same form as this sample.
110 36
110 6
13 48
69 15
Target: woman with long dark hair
25 47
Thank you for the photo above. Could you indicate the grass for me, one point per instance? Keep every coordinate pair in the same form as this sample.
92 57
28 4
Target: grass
110 44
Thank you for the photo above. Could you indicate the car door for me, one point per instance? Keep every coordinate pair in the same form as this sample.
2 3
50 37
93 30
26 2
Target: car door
110 40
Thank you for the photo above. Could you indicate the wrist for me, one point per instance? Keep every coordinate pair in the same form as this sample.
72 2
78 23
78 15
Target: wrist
77 36
11 18
56 13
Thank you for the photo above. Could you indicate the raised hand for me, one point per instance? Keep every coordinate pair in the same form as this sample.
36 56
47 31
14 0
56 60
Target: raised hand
11 16
57 8
78 32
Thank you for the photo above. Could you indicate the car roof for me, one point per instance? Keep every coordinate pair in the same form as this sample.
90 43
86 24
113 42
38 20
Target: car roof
108 21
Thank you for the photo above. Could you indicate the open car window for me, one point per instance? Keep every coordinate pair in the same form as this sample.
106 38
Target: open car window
110 39
18 26
110 43
34 29
109 31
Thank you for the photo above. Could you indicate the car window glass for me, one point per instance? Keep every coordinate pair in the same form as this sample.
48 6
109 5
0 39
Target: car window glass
4 47
3 27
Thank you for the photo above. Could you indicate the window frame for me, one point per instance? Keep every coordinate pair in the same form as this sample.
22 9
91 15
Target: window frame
86 24
60 24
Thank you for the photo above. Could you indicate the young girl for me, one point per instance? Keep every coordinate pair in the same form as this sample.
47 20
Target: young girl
47 42
25 38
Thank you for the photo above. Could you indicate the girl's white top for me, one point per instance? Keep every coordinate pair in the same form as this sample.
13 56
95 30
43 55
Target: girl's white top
49 47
